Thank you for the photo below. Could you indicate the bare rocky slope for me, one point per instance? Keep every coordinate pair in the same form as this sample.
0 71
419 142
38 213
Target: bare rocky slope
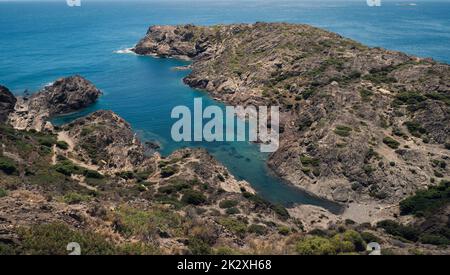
359 125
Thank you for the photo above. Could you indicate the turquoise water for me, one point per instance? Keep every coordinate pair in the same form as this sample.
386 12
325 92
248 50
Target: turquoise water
41 42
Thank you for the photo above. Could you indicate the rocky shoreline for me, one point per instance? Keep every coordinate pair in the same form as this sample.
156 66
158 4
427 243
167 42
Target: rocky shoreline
358 124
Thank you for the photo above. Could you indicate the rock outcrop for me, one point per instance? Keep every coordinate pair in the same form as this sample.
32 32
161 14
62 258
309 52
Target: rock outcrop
358 124
64 96
106 140
7 103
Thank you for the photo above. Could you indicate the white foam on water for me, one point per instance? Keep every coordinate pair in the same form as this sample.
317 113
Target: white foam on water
125 51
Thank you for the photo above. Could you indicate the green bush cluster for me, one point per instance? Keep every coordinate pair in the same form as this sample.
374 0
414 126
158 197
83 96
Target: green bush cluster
342 130
168 171
424 202
279 209
62 145
193 197
131 221
7 165
309 161
236 226
3 193
228 203
52 239
75 198
257 229
349 241
415 128
68 168
392 143
405 232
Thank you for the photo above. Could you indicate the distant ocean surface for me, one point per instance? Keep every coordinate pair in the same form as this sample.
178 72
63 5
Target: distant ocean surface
42 41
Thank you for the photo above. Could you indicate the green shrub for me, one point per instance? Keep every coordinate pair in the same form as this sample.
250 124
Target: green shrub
62 145
146 223
93 174
309 161
434 239
75 198
355 238
257 229
68 168
284 230
7 165
126 175
444 97
52 239
366 94
315 245
3 193
392 143
238 227
47 141
343 130
396 229
225 250
415 128
168 171
426 201
228 203
410 98
281 211
193 197
232 211
199 247
369 237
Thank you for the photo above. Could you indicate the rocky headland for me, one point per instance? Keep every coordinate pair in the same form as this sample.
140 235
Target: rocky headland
359 125
65 95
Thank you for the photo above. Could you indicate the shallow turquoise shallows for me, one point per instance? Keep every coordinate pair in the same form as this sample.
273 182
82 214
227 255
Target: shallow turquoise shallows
42 41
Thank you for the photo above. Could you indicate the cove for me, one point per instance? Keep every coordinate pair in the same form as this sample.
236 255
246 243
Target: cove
42 41
148 109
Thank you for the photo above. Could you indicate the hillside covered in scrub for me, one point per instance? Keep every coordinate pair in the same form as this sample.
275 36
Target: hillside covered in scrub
363 126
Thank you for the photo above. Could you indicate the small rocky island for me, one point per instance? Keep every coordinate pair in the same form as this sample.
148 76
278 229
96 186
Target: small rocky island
362 126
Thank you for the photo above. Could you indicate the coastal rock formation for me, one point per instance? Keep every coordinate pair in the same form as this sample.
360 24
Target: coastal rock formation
7 103
64 96
358 124
106 140
93 181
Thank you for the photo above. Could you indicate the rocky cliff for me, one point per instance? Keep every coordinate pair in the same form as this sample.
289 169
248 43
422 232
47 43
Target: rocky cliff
7 103
358 124
64 96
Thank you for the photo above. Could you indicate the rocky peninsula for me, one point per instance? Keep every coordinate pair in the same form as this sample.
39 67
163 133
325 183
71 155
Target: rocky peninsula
361 126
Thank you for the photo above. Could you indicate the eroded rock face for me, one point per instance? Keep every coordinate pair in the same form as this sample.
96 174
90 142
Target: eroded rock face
339 99
7 102
64 96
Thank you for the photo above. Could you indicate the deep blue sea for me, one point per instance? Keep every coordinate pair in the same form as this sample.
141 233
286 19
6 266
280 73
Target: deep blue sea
42 41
